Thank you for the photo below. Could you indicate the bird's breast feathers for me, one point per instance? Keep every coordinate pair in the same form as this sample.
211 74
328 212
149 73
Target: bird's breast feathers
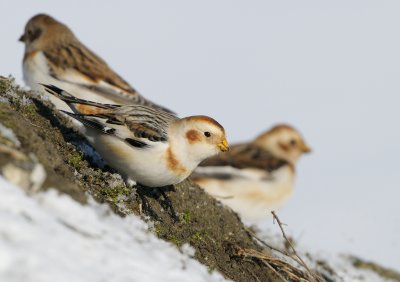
35 69
150 166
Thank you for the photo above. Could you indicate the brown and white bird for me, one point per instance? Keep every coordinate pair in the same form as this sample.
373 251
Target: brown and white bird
146 145
257 177
53 55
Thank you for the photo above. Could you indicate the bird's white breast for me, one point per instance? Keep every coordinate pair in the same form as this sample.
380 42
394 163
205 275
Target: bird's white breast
35 71
147 166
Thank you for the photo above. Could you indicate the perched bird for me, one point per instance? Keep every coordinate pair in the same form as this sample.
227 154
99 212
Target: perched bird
53 55
146 145
257 177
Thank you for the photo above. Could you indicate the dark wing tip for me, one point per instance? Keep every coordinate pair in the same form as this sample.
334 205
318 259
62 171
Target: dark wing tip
51 87
73 115
136 143
67 113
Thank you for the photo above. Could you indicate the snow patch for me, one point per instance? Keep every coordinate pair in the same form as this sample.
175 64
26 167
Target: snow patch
50 237
345 270
334 266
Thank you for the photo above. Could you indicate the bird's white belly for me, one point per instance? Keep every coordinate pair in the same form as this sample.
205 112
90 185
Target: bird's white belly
251 196
147 166
36 70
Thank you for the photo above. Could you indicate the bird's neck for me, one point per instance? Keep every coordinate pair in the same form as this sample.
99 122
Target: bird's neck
180 157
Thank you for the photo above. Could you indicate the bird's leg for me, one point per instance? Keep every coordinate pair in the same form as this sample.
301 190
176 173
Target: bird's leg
167 201
144 204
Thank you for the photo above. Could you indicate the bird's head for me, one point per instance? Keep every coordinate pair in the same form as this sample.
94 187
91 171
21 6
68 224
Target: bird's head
43 30
284 142
202 137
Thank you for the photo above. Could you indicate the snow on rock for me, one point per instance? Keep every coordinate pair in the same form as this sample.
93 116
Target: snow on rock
9 134
50 237
25 171
345 271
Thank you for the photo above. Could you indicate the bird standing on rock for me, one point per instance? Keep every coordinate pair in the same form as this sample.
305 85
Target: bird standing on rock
257 177
146 145
53 55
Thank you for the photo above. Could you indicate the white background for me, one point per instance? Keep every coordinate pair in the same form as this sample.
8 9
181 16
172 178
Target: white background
331 69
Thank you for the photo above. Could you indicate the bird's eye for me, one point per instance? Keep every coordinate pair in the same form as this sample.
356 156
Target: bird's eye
293 142
33 34
207 134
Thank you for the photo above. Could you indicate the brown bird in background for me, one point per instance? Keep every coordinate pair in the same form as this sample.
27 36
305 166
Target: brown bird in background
53 55
257 177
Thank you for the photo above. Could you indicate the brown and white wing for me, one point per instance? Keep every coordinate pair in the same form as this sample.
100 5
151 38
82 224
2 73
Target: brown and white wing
74 63
143 121
246 156
138 133
135 124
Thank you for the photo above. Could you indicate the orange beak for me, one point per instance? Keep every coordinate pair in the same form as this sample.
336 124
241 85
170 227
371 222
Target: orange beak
223 146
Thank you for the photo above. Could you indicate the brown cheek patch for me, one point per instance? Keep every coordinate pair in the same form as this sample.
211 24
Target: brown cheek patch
173 163
284 147
193 136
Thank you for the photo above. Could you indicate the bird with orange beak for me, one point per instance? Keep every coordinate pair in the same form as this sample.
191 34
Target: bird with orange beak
146 145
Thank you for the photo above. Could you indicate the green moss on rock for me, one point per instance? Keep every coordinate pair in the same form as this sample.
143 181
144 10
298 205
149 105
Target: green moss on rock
114 194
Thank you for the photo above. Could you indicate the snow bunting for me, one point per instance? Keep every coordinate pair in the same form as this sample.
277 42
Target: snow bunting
146 145
53 55
257 177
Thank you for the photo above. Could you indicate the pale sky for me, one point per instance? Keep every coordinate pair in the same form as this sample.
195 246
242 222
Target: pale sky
331 69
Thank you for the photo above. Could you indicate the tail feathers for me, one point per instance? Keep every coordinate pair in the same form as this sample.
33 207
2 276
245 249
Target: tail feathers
91 123
59 93
70 99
